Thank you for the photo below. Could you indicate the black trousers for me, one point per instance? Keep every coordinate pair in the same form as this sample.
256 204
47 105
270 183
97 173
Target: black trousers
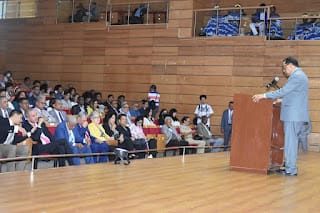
175 143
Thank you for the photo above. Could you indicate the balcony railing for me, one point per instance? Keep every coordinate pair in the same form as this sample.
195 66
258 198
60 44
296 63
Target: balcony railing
147 12
219 22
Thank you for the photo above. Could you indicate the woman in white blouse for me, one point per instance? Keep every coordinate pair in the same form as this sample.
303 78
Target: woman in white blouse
148 119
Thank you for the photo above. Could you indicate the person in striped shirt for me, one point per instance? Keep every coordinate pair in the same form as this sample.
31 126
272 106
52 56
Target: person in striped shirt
154 100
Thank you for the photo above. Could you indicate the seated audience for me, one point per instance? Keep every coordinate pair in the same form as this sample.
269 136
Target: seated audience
204 132
154 100
138 13
173 115
35 93
99 142
121 101
42 112
94 107
66 102
58 90
44 142
123 129
173 138
2 83
259 19
26 86
134 111
19 95
125 110
148 119
57 114
83 140
4 109
23 107
163 113
144 107
140 141
275 30
10 94
187 133
11 144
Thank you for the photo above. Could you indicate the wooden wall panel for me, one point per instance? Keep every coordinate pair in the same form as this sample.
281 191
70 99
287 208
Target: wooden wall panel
128 59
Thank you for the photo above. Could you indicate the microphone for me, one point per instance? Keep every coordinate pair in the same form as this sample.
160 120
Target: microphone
273 82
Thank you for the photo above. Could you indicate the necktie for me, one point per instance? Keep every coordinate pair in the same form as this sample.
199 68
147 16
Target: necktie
44 139
61 117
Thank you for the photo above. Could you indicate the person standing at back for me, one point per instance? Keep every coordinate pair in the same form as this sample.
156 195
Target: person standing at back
154 100
203 109
294 110
226 124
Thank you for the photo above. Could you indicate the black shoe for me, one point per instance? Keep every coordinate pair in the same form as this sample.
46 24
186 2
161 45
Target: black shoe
284 173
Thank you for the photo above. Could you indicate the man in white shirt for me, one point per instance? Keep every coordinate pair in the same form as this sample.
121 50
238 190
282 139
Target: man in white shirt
203 109
10 145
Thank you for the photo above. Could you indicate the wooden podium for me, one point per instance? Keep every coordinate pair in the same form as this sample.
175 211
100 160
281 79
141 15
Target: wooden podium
257 135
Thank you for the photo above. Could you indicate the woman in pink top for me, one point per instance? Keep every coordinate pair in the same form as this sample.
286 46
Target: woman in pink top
140 140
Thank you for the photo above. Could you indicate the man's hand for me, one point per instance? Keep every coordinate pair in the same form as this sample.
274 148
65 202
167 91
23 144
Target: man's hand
256 98
40 121
79 145
22 130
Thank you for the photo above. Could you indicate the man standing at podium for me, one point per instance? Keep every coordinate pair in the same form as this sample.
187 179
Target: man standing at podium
294 110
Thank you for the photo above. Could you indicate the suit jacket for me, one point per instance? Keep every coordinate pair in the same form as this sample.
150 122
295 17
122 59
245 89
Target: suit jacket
36 135
1 113
62 133
55 116
5 129
82 132
169 132
203 131
225 119
295 97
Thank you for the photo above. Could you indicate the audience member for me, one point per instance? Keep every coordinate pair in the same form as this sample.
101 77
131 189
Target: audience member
94 107
173 115
108 102
226 125
145 105
154 100
11 145
259 19
100 138
207 136
125 110
57 113
275 31
34 95
138 137
66 102
163 113
83 140
2 83
187 133
138 13
173 138
26 86
58 90
121 100
203 109
4 109
148 119
23 107
124 130
19 95
134 111
44 142
41 110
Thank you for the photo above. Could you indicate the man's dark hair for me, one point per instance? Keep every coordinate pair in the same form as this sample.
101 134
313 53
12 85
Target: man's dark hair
36 82
291 60
14 112
231 102
121 115
184 119
20 100
203 96
110 95
26 79
52 101
35 86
